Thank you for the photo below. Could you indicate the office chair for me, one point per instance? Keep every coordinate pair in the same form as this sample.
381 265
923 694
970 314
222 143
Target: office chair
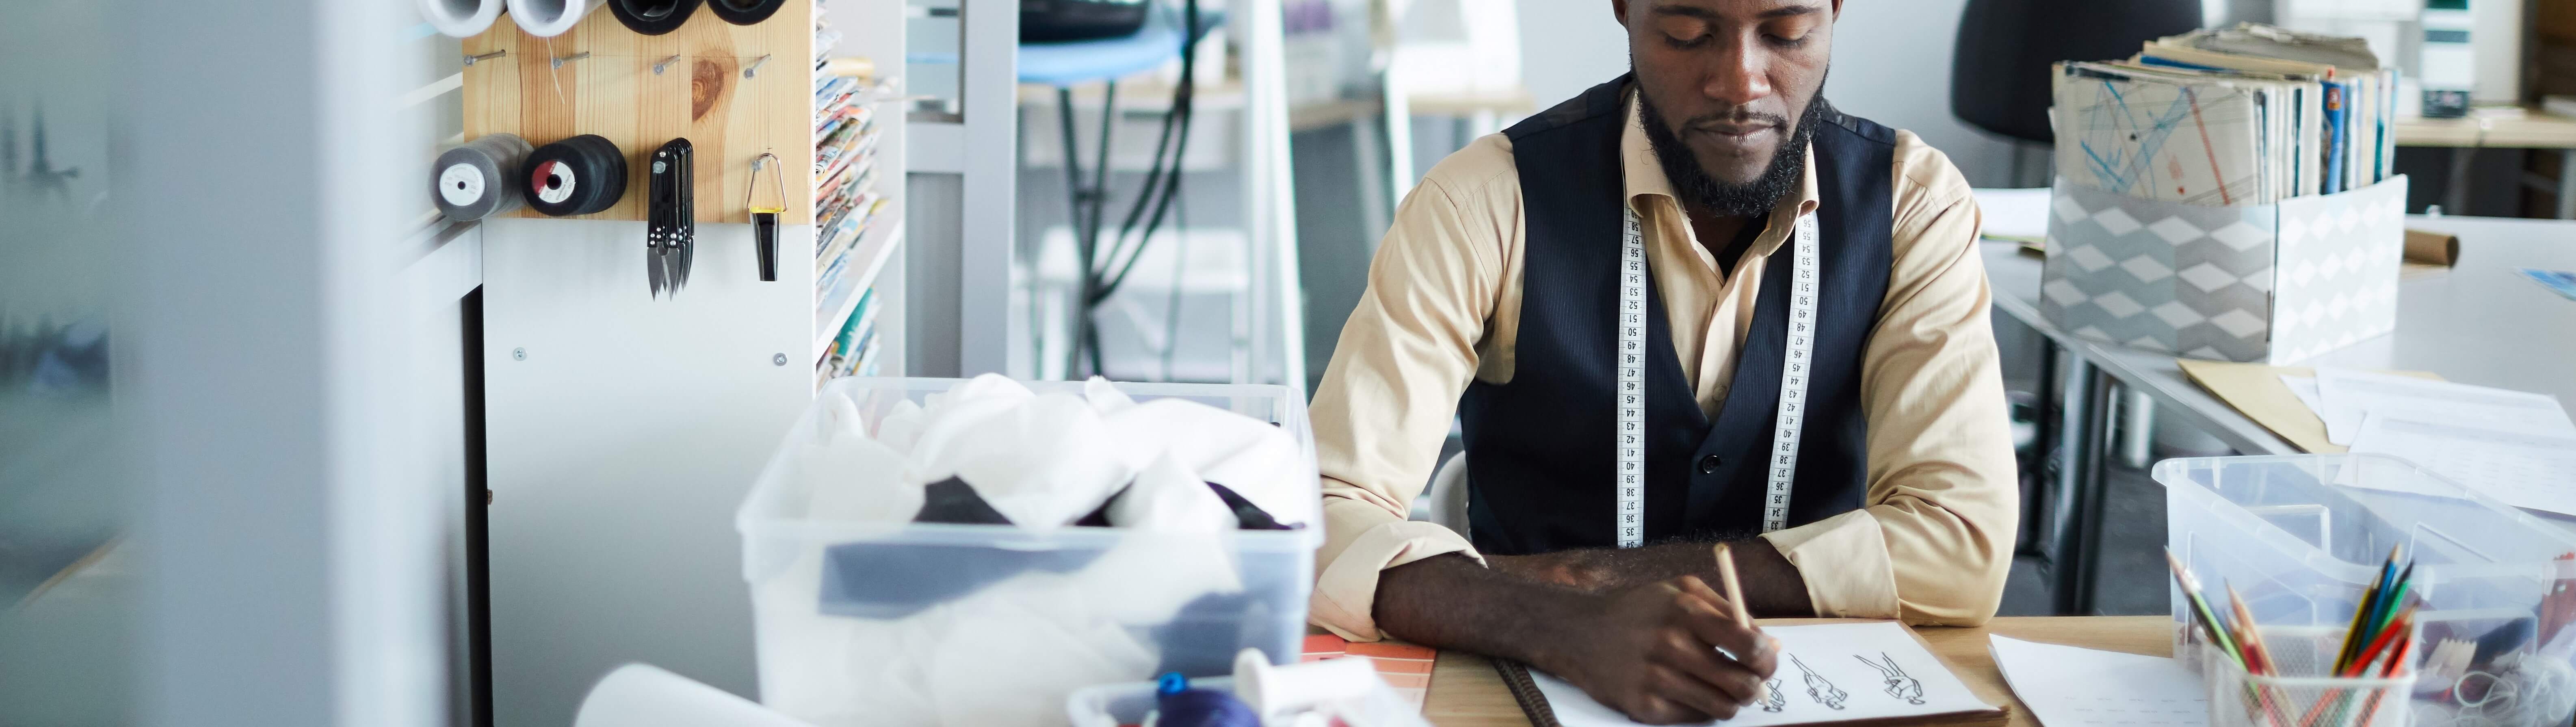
1999 71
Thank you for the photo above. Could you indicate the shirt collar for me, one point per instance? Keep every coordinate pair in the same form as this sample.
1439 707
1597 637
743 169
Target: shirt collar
1645 180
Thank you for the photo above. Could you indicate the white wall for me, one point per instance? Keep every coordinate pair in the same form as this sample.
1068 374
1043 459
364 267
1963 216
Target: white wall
1891 65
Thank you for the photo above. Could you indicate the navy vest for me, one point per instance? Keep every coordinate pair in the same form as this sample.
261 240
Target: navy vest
1539 449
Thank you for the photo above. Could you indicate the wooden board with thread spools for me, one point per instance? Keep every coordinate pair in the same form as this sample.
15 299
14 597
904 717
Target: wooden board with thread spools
702 96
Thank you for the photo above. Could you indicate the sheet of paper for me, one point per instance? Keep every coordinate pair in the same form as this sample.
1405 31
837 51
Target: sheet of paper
2067 686
2014 214
2557 281
2305 387
1828 673
2524 469
2348 395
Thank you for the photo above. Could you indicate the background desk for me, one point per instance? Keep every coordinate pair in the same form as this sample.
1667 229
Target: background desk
2480 323
2531 129
1465 691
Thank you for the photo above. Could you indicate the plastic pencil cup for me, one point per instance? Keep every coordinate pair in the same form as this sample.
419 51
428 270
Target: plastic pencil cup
2298 692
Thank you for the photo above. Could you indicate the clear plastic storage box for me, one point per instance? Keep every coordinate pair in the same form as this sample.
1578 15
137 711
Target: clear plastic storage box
2301 536
961 655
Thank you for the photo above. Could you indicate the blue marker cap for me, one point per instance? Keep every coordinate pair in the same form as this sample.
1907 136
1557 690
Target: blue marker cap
1171 683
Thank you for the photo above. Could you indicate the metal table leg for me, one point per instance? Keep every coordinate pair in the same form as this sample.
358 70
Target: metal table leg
2566 184
2077 514
2038 532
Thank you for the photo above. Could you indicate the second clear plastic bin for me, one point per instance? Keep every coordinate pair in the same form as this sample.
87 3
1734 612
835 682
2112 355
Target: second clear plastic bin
963 655
2301 536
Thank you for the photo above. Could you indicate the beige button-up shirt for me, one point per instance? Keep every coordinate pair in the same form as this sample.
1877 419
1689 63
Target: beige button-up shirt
1443 308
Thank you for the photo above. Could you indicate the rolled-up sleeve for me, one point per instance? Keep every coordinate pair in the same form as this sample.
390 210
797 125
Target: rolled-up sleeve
1935 542
1386 401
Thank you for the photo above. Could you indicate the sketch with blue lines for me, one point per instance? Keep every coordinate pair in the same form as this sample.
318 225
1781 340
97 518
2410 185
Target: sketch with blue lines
2156 137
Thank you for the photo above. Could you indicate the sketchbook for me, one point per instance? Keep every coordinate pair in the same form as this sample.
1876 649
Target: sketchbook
1842 672
2151 135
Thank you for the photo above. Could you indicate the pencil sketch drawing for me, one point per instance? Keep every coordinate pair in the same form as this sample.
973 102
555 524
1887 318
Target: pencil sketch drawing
1775 698
1899 685
1820 689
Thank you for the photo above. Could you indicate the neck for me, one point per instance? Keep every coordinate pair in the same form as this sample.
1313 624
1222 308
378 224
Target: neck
1715 231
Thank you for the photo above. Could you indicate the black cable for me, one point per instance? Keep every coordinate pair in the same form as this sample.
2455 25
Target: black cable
1161 180
1075 202
1184 108
1172 302
1086 329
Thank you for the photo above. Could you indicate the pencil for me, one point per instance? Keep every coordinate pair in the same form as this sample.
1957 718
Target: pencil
1735 595
2354 635
2208 619
2258 655
1734 588
2252 640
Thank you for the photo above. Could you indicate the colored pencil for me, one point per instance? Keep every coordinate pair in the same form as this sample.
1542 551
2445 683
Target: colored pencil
2364 614
2258 655
2216 632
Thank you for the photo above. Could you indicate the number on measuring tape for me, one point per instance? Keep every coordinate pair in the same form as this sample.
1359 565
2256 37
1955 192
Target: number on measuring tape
1804 290
1632 384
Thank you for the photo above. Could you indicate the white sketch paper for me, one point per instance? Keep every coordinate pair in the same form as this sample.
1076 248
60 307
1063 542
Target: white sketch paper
2067 686
1828 673
2522 468
2348 395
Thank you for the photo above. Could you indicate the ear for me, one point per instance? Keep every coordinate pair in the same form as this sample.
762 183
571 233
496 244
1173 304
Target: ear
1838 9
1619 11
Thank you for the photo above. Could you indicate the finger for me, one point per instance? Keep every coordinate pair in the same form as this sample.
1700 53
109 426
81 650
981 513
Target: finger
1709 617
1687 654
1652 709
1688 691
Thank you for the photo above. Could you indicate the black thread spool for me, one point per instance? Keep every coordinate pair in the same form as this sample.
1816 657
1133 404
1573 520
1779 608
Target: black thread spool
744 12
653 17
582 175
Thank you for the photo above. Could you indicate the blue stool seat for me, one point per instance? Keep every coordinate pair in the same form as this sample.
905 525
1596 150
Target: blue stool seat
1066 64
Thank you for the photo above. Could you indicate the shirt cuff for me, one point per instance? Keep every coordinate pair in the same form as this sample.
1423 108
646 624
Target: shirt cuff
1844 561
1346 589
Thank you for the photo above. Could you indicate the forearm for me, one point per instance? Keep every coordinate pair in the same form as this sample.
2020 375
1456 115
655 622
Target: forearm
1451 602
1772 585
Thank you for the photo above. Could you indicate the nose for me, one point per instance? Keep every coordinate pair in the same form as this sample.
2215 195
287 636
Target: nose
1738 73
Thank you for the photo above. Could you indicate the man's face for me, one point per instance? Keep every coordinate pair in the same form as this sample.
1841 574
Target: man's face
1730 78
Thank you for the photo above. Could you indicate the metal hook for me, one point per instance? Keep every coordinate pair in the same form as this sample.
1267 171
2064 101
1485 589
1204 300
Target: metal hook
666 62
469 60
561 60
777 178
754 68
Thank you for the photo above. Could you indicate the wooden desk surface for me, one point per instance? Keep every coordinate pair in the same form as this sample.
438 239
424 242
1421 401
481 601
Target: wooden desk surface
1465 691
2530 129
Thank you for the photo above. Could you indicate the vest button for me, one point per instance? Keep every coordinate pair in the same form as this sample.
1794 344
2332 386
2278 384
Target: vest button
1708 465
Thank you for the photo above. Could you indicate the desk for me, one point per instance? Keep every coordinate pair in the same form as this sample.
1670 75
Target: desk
1465 691
2479 324
2513 129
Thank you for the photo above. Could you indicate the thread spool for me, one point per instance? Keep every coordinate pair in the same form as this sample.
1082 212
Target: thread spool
549 18
480 178
1275 691
744 12
460 18
1178 705
577 176
653 17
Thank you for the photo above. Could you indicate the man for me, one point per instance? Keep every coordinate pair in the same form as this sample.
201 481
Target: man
1498 296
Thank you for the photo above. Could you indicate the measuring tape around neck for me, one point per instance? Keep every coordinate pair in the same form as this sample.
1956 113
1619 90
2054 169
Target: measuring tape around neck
1804 285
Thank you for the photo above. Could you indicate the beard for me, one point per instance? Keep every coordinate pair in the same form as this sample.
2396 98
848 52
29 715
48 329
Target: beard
1728 199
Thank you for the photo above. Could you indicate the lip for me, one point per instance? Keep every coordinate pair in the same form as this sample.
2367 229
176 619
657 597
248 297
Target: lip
1738 138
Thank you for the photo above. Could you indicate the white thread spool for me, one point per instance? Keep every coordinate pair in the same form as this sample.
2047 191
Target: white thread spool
642 695
1275 691
549 18
460 18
